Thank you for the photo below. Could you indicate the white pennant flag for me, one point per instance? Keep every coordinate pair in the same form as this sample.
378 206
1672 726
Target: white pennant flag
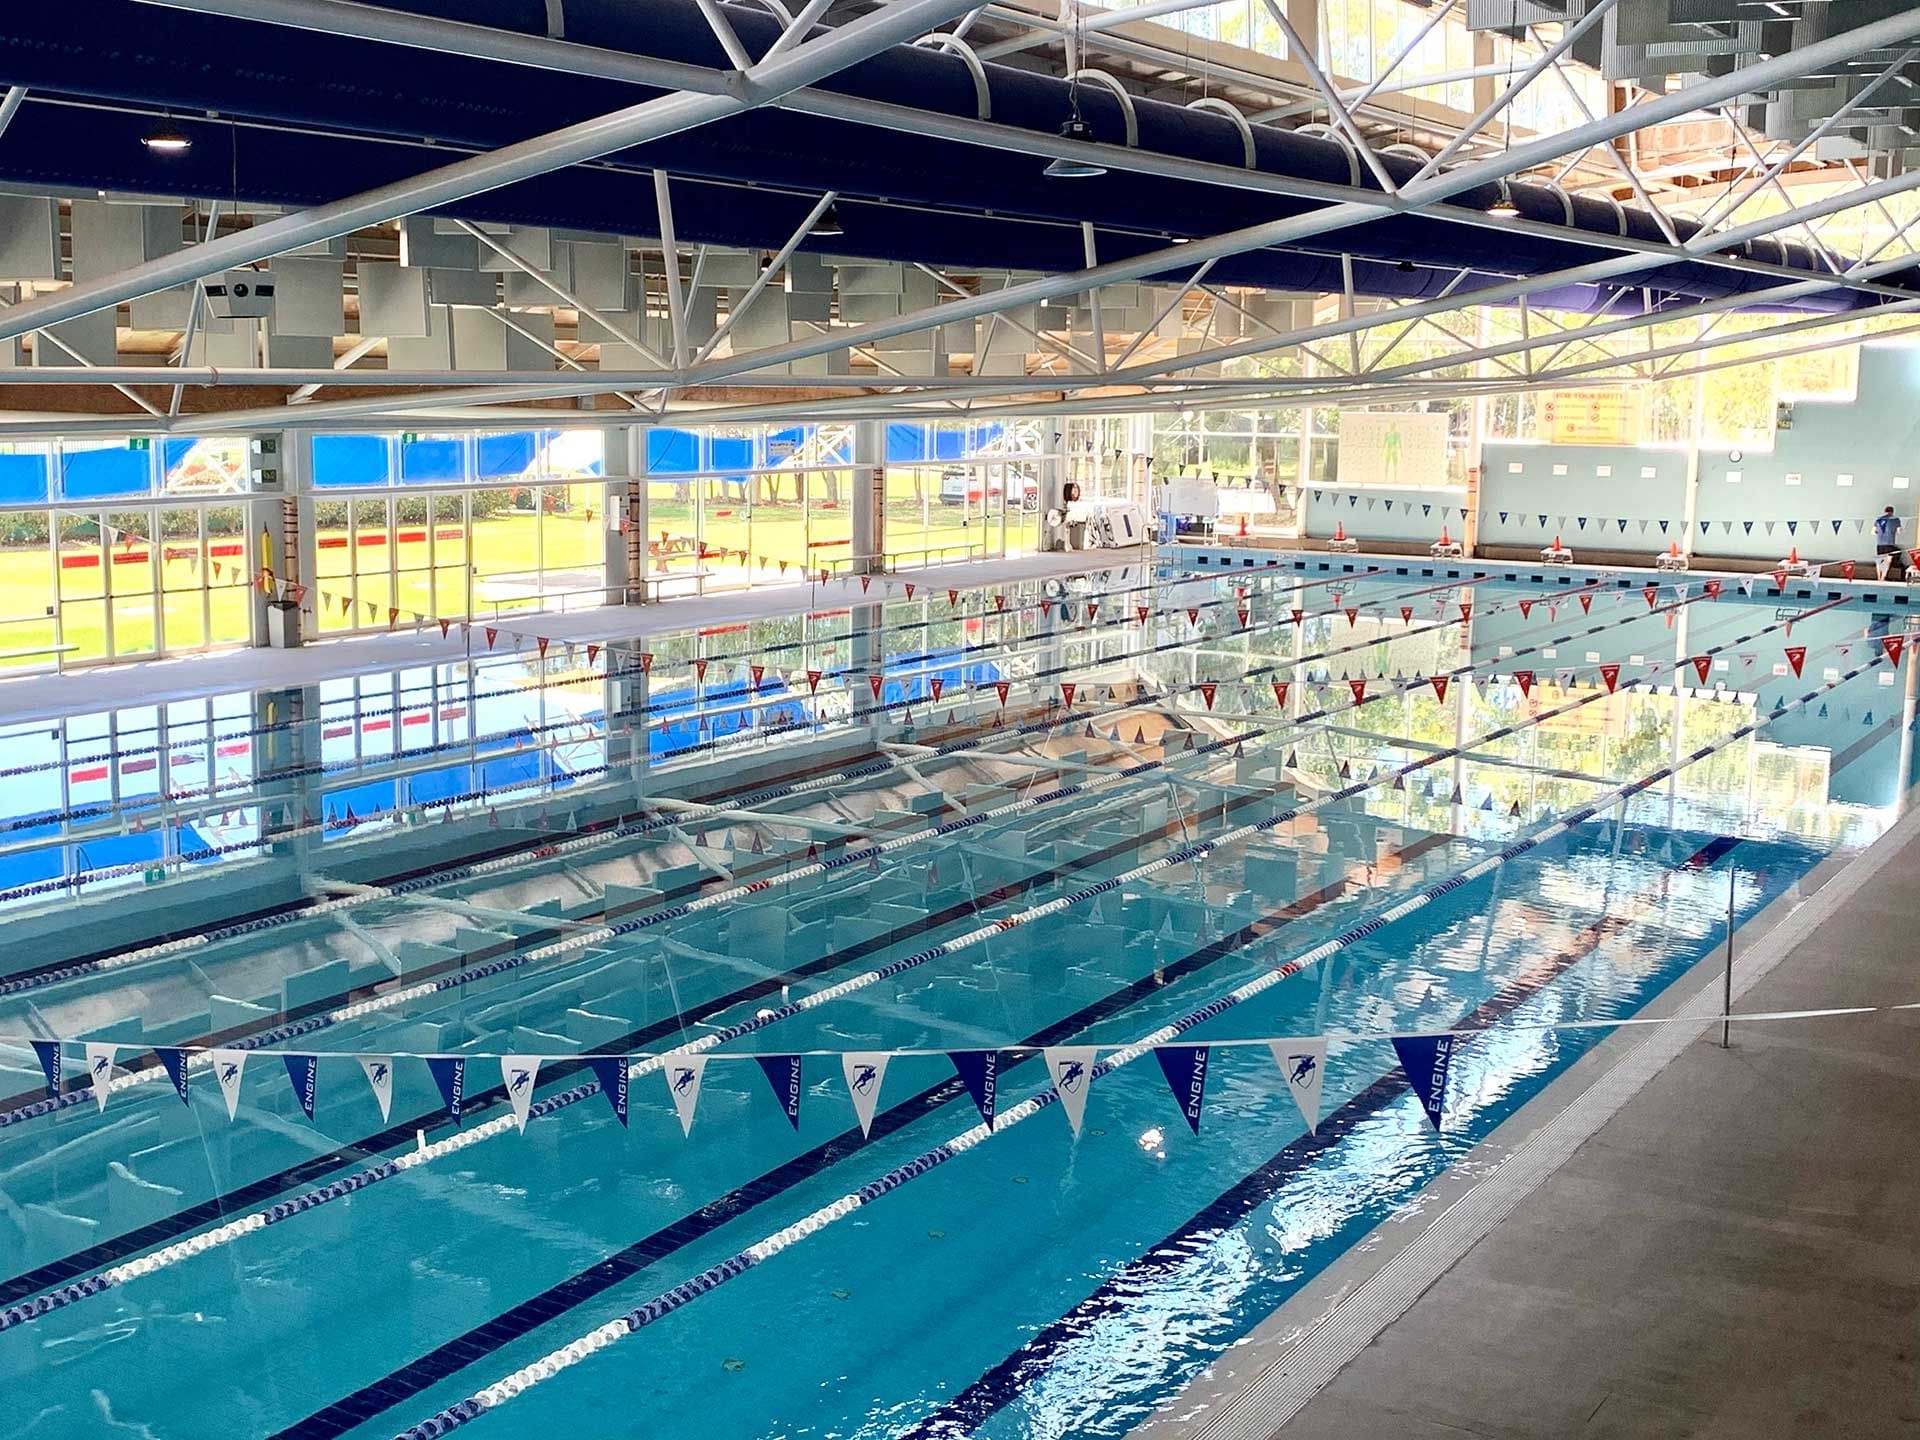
379 1072
1304 1064
100 1067
865 1070
1880 566
518 1073
227 1065
1071 1067
684 1074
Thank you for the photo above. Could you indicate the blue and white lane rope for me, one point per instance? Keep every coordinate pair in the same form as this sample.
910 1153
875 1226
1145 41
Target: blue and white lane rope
865 769
387 1000
506 1124
599 1338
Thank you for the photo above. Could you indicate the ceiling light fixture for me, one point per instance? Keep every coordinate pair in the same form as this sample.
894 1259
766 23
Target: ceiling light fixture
1065 168
167 140
1504 208
828 226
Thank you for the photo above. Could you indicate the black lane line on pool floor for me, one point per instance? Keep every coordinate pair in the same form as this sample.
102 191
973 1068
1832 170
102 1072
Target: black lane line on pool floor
1004 1383
453 1356
220 1207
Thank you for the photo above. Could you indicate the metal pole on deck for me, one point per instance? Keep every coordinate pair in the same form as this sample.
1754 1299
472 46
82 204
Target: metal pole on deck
1726 993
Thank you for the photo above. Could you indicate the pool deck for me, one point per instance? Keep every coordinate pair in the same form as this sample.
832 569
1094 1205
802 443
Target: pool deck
1673 1240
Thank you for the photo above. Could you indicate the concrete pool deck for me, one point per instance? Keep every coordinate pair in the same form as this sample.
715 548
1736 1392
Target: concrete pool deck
1672 1240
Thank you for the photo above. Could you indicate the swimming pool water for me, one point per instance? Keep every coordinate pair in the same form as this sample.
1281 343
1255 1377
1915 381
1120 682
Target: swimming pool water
1035 1285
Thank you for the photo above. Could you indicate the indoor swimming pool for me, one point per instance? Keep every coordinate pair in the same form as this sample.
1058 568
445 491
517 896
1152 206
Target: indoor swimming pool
576 1038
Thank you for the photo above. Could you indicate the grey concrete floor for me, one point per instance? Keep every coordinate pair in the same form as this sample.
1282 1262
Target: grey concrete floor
1736 1253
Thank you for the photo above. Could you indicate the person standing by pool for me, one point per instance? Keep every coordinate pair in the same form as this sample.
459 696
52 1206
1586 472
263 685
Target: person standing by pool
1886 540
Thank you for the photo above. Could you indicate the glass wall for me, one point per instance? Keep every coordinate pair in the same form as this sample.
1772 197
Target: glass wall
120 548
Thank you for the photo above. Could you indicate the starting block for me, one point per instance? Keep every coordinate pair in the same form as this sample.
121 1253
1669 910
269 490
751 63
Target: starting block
1556 555
1670 560
1446 550
1794 565
1342 545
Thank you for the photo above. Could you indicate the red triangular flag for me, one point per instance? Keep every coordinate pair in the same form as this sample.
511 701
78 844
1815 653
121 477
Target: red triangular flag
646 662
756 671
699 670
1439 683
1893 645
1610 674
1780 579
542 642
1298 616
1524 679
1140 613
1001 687
1067 687
866 583
1703 663
953 598
1796 657
1406 614
393 617
491 635
1353 618
1846 569
1280 692
1359 688
593 653
936 685
445 625
1652 593
1093 608
1466 611
1206 689
1243 613
813 682
909 589
1586 603
999 600
1712 587
877 682
1193 617
1526 609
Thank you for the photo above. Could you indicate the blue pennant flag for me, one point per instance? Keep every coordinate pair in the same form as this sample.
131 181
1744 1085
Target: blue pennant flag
1623 527
1352 500
611 1072
1185 1067
1823 710
1426 1059
175 1061
1749 526
1663 527
980 1070
1867 719
301 1069
1426 509
1583 522
1487 803
1543 522
1793 527
1456 796
783 1073
50 1062
1836 527
450 1074
1503 517
1703 526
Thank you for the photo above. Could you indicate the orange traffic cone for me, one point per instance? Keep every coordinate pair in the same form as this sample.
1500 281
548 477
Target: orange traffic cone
1444 539
1556 543
1243 525
1674 548
1340 530
1793 555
